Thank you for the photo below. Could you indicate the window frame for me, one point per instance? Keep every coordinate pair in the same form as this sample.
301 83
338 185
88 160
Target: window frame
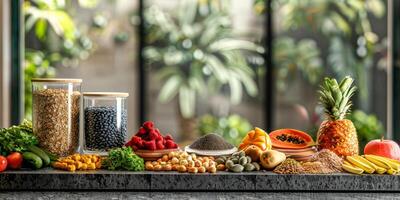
17 55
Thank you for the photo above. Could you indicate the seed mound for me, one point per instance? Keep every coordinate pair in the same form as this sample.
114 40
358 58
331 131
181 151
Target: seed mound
56 120
330 161
289 166
105 128
211 142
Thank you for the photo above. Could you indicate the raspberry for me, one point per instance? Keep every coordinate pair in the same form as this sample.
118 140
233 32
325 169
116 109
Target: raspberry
160 144
170 144
129 143
134 147
141 132
153 135
168 137
149 125
150 145
136 139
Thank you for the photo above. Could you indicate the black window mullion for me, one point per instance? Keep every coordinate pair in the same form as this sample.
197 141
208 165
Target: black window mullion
17 43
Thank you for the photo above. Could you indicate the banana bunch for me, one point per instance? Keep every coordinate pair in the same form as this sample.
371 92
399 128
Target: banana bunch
371 164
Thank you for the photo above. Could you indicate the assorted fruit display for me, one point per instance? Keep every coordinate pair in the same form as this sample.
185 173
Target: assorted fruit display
282 151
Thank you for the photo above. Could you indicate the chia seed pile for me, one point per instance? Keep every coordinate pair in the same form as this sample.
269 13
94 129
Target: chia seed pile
211 142
101 128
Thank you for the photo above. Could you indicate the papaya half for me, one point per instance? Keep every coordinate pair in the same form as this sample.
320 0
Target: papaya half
290 139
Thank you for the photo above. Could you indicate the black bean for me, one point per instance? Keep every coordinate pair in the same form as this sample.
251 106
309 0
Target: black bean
101 128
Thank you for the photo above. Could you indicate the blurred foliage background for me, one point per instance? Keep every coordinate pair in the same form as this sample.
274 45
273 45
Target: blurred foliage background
196 54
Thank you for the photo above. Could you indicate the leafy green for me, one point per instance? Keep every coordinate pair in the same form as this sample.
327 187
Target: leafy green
17 138
196 54
232 128
123 159
368 127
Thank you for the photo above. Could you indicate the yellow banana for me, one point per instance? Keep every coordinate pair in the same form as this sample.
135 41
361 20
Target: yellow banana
352 169
347 163
377 162
390 161
393 160
379 170
392 165
360 164
391 171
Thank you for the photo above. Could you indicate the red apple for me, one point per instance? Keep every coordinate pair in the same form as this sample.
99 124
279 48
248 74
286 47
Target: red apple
385 148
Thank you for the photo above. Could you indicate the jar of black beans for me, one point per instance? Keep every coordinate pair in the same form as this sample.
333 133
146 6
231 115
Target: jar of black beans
105 121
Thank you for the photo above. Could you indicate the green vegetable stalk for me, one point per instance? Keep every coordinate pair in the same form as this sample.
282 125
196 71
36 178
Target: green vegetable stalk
17 138
123 159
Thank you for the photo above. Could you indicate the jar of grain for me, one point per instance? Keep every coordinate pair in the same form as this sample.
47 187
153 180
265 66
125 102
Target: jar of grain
104 121
55 114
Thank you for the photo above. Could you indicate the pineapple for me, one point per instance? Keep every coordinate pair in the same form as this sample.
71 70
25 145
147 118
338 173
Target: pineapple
337 133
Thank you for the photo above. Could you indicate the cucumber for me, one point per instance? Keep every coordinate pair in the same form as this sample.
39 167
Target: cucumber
38 151
33 159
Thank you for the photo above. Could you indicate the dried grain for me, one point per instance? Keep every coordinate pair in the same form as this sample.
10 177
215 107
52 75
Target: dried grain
56 120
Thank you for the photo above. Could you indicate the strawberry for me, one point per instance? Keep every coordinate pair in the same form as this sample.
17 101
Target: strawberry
160 144
149 125
169 144
153 135
142 131
150 145
168 137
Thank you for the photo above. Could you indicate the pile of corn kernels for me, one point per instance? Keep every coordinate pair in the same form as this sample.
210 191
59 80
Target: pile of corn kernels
78 162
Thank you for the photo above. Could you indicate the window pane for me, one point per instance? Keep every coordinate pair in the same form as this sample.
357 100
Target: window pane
315 39
205 67
90 39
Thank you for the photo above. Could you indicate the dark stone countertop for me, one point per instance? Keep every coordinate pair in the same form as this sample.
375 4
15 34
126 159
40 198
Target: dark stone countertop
102 180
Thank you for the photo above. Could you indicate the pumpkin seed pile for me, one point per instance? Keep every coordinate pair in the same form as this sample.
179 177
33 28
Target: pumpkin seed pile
238 162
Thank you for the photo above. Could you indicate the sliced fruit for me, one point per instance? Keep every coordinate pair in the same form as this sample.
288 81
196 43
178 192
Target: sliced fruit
360 164
352 169
290 139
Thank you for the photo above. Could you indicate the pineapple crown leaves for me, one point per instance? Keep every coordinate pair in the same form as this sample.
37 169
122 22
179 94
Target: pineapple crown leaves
335 97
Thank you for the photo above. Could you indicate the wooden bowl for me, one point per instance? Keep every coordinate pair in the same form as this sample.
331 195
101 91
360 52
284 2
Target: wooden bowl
154 154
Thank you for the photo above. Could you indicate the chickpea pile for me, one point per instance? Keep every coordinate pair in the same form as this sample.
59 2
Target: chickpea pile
183 162
78 162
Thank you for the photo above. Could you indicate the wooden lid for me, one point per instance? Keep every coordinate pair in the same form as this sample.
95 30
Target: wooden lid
106 94
57 80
